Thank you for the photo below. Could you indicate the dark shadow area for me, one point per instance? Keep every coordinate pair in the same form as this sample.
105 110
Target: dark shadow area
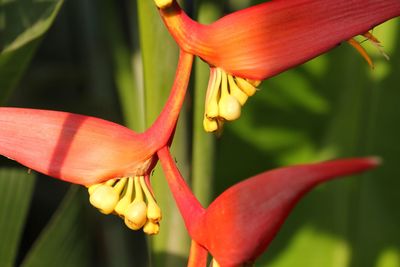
172 260
69 129
60 77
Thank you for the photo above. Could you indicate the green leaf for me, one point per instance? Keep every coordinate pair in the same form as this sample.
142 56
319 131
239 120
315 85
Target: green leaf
203 144
124 59
159 57
65 240
16 187
22 24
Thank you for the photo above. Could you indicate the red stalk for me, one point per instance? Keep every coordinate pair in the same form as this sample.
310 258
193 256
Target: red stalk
197 255
164 125
189 207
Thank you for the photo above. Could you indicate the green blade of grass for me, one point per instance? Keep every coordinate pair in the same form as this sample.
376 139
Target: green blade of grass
124 57
65 240
203 155
23 23
16 187
159 57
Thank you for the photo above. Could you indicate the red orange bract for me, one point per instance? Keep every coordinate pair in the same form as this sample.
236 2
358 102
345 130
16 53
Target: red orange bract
240 223
87 150
266 39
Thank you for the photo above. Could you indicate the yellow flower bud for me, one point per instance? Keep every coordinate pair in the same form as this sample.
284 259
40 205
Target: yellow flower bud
136 214
124 202
121 206
151 228
105 198
210 125
213 94
229 108
246 86
153 212
236 92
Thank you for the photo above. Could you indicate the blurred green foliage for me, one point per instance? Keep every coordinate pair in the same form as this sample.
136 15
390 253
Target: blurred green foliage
115 60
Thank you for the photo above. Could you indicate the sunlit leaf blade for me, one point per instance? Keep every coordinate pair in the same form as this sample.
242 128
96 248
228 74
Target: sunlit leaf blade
124 59
378 198
16 187
65 240
22 25
203 144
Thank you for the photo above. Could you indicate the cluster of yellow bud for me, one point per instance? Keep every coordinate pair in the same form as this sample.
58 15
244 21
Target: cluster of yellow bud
226 94
126 197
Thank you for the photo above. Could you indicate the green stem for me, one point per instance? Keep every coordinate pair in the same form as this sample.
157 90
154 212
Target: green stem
203 144
159 56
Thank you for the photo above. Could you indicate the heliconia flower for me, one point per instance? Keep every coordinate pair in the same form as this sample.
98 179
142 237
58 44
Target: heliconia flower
250 45
240 224
114 162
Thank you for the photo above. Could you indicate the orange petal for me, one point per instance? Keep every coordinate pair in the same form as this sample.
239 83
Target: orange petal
74 148
266 39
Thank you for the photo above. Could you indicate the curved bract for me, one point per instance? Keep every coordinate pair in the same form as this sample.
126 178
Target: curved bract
87 150
112 161
240 224
266 39
251 212
76 148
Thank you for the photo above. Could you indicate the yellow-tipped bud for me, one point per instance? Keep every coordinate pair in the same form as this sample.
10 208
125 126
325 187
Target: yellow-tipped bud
255 83
117 194
122 206
213 94
236 92
246 86
92 188
151 228
153 212
124 202
229 108
105 198
212 109
210 125
135 215
226 94
163 3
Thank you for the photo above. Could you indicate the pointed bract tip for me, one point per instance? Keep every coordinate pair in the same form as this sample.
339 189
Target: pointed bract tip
375 160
